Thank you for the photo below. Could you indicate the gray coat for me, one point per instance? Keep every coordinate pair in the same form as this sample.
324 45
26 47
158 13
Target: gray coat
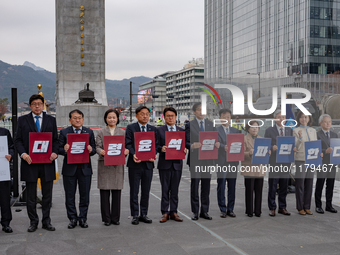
109 177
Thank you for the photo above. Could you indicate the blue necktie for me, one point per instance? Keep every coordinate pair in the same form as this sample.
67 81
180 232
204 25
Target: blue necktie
171 129
201 126
37 122
227 130
77 130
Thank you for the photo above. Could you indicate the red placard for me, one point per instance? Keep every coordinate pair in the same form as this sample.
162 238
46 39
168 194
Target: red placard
175 141
40 147
145 147
114 147
208 149
78 152
235 143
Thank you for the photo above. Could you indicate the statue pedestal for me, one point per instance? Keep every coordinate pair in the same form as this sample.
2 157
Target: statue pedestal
93 114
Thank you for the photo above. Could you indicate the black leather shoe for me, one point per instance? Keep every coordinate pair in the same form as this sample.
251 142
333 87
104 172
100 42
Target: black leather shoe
194 216
7 229
83 223
223 215
135 220
231 214
250 215
107 223
205 216
145 219
319 210
72 224
32 228
331 209
48 227
115 222
257 215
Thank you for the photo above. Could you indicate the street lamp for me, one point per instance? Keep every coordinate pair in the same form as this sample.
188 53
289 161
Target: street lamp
259 74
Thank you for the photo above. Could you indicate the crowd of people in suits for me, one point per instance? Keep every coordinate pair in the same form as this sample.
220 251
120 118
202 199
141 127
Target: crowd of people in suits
140 173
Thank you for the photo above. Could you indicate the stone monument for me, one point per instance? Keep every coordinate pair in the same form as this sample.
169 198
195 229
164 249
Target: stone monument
80 51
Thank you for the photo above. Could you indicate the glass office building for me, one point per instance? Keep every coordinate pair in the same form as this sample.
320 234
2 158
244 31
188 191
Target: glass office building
282 42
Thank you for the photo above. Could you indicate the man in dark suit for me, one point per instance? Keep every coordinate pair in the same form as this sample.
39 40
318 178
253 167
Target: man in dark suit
230 175
37 121
170 171
325 134
192 130
5 187
140 172
76 174
280 178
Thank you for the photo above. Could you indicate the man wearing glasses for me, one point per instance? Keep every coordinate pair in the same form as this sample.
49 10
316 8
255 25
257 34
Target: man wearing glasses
140 172
37 121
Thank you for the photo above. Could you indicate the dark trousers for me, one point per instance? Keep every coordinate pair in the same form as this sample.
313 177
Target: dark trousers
303 186
5 203
196 178
70 187
282 192
110 214
170 179
139 177
221 183
329 178
253 186
31 204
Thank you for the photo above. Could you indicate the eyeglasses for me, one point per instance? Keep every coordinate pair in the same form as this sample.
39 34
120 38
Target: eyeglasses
143 114
36 104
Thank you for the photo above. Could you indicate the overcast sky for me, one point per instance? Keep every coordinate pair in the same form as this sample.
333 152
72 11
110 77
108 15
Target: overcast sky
143 37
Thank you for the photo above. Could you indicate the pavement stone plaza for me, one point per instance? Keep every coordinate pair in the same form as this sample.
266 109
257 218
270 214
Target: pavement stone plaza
295 234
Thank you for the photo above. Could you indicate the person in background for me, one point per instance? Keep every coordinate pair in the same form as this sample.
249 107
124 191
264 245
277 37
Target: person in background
237 124
325 134
253 179
303 176
5 187
110 178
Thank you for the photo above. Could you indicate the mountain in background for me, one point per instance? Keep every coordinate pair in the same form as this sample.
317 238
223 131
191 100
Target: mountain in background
26 78
33 66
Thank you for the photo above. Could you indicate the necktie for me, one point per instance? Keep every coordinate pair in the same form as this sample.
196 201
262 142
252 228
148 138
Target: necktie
171 129
77 130
327 135
37 122
143 128
281 131
227 130
201 126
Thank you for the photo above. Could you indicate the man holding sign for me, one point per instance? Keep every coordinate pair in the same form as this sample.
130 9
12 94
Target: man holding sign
192 143
140 172
229 175
37 121
170 171
5 185
77 173
325 135
278 177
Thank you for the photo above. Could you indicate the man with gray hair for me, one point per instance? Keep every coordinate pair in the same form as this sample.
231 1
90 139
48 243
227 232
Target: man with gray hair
277 177
325 134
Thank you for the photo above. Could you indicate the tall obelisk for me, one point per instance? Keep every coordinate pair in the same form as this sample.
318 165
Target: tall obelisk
80 52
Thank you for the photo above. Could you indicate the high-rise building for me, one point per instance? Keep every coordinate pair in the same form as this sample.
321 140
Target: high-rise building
277 43
182 87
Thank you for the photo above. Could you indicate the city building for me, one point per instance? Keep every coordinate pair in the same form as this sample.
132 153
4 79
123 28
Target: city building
152 94
182 87
266 43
